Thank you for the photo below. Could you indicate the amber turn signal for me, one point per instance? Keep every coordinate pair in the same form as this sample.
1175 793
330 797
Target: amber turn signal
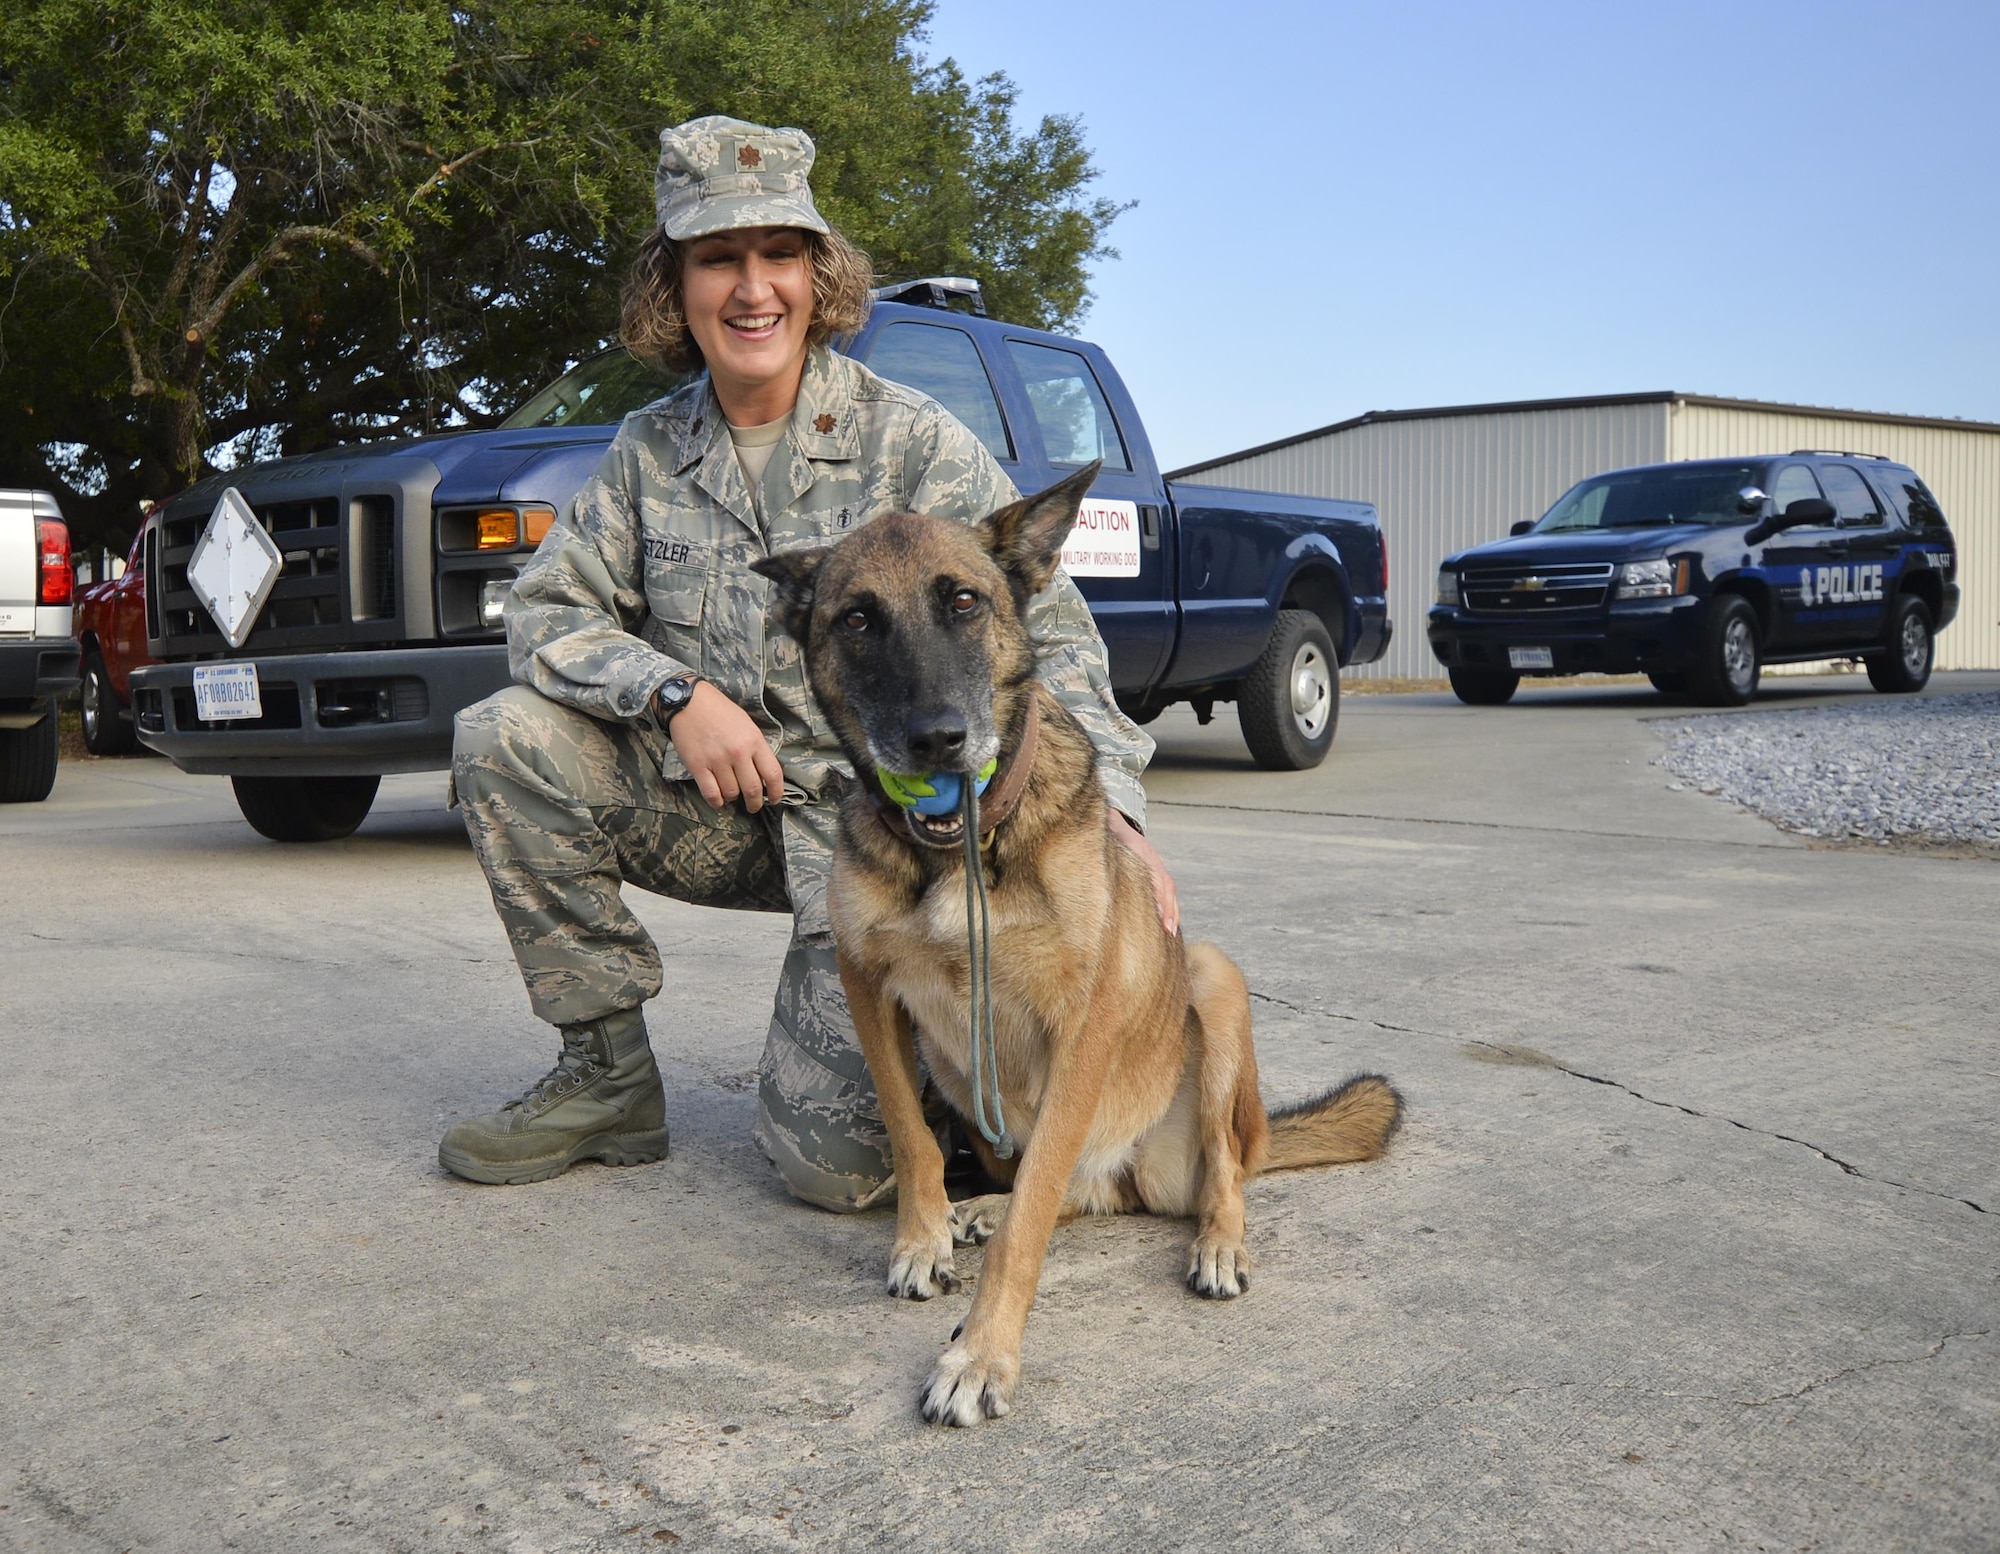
536 522
499 529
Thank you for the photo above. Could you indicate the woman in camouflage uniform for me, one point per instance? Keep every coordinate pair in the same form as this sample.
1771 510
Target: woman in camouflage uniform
662 731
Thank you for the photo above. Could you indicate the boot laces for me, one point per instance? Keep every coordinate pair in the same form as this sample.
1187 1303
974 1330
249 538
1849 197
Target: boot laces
577 1066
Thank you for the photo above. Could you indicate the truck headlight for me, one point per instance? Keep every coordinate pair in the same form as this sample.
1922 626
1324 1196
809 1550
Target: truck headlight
493 602
1647 580
1447 586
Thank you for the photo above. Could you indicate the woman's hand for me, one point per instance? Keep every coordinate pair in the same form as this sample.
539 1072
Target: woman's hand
725 752
1164 893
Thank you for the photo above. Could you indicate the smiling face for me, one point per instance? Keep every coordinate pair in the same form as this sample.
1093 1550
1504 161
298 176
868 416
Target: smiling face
749 301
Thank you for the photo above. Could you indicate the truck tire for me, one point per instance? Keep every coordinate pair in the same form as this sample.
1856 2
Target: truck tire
28 761
106 729
1289 704
1906 665
1484 687
1729 659
1669 684
305 809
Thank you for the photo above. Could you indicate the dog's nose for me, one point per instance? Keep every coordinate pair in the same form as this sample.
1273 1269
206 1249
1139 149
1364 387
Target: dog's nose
936 737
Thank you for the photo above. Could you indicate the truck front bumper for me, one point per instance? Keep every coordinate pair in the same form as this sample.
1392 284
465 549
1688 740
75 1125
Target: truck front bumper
1636 637
325 714
35 670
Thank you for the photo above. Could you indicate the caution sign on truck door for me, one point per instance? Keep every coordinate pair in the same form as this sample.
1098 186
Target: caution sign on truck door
1105 541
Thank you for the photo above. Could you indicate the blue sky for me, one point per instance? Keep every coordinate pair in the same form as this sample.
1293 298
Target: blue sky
1348 207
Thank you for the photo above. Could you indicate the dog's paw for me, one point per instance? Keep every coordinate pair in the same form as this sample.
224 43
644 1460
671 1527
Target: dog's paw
1218 1269
921 1267
966 1387
974 1220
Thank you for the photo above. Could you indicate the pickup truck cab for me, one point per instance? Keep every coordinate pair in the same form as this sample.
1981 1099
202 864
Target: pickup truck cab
38 657
1698 574
381 616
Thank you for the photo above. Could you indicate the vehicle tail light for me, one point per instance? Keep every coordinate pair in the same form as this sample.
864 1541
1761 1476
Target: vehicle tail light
52 551
499 529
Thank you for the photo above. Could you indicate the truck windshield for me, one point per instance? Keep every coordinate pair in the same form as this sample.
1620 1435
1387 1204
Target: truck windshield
601 391
1631 499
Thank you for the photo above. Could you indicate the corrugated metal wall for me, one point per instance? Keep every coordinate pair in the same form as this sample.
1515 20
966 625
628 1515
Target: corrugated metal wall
1444 482
1448 481
1961 466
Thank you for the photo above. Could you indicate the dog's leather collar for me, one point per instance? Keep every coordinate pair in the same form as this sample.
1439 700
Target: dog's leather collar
1002 795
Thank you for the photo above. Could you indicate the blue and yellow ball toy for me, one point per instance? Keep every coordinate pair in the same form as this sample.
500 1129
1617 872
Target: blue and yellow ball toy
931 793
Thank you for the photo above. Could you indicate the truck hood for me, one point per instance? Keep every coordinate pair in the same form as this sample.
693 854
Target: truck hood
1570 549
471 466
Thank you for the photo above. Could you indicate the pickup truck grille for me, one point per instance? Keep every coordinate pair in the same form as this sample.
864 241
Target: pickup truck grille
337 588
1522 590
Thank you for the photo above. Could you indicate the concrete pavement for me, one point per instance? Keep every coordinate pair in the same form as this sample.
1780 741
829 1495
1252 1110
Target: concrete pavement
1692 1239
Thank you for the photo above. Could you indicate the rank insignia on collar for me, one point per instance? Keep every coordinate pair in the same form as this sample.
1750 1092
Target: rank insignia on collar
824 423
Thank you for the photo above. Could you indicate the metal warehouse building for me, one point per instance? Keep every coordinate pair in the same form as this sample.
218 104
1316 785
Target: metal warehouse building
1447 478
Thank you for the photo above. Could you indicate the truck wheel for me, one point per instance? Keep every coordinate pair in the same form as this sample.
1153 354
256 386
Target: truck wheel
28 761
106 731
1289 704
1484 687
305 809
1725 674
1906 666
1669 684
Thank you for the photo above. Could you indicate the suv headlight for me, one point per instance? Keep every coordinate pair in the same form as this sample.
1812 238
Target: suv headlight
1647 580
1447 586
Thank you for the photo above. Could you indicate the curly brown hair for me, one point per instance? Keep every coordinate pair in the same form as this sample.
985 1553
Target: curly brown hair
654 324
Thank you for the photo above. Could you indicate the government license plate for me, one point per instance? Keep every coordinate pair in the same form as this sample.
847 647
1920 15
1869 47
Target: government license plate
1531 658
225 692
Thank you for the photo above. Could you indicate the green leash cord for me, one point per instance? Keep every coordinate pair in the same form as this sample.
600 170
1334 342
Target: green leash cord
979 988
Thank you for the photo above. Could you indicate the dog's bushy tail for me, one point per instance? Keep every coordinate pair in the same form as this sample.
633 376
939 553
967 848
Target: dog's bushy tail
1353 1121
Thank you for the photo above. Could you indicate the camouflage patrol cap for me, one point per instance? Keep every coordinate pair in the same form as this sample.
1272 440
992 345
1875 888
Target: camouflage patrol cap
717 174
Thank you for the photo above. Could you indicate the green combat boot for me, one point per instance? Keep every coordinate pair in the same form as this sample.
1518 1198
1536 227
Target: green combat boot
602 1101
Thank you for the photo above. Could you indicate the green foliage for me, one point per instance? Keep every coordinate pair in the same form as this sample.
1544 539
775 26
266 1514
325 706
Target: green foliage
281 225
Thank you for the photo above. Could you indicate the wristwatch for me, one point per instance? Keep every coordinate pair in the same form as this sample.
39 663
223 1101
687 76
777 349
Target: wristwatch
673 696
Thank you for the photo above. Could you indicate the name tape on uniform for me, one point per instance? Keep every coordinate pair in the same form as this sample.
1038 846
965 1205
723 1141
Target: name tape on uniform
1105 541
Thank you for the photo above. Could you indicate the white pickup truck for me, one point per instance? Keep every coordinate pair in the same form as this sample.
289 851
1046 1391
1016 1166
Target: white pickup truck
38 656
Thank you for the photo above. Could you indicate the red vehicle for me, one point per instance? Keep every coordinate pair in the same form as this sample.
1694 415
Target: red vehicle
111 630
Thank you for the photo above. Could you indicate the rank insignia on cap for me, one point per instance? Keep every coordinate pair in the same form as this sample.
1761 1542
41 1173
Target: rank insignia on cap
749 156
824 423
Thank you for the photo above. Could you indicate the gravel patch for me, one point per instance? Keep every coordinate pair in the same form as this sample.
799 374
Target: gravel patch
1917 769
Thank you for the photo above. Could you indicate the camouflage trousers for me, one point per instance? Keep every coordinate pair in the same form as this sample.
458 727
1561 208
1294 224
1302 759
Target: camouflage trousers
564 808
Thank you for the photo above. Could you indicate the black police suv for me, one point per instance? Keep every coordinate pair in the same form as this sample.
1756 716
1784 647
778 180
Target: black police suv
1700 573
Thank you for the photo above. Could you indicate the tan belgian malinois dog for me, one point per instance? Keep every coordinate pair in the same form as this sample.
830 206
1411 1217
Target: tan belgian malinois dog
1124 1060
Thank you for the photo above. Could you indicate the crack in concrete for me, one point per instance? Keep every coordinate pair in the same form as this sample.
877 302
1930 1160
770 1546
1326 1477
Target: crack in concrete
1543 1060
1814 1385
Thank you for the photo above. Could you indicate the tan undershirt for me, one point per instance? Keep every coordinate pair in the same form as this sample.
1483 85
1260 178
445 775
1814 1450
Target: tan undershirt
754 447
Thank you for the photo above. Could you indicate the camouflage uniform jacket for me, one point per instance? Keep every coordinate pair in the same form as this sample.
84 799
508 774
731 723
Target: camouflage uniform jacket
649 573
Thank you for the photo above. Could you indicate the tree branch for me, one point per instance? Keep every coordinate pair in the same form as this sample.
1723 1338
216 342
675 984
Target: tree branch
446 169
274 251
194 211
100 268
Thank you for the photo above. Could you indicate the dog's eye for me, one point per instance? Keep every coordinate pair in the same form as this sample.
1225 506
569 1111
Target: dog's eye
855 620
964 601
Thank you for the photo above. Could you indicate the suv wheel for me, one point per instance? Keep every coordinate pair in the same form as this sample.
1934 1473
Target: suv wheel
305 809
28 761
1289 704
1726 673
106 729
1906 666
1484 687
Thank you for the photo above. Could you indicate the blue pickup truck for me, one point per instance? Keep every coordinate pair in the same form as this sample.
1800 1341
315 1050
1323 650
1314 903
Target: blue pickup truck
377 616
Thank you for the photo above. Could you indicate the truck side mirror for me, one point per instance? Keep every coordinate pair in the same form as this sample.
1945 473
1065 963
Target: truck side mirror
1806 511
1751 500
1520 528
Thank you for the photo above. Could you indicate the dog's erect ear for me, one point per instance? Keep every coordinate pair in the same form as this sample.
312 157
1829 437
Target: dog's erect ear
796 572
1026 537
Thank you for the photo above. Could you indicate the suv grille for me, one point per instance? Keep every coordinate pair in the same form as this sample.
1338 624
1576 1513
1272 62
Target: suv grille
1522 590
337 588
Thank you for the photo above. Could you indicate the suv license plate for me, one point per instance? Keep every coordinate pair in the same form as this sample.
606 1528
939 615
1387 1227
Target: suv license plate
224 692
1530 658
